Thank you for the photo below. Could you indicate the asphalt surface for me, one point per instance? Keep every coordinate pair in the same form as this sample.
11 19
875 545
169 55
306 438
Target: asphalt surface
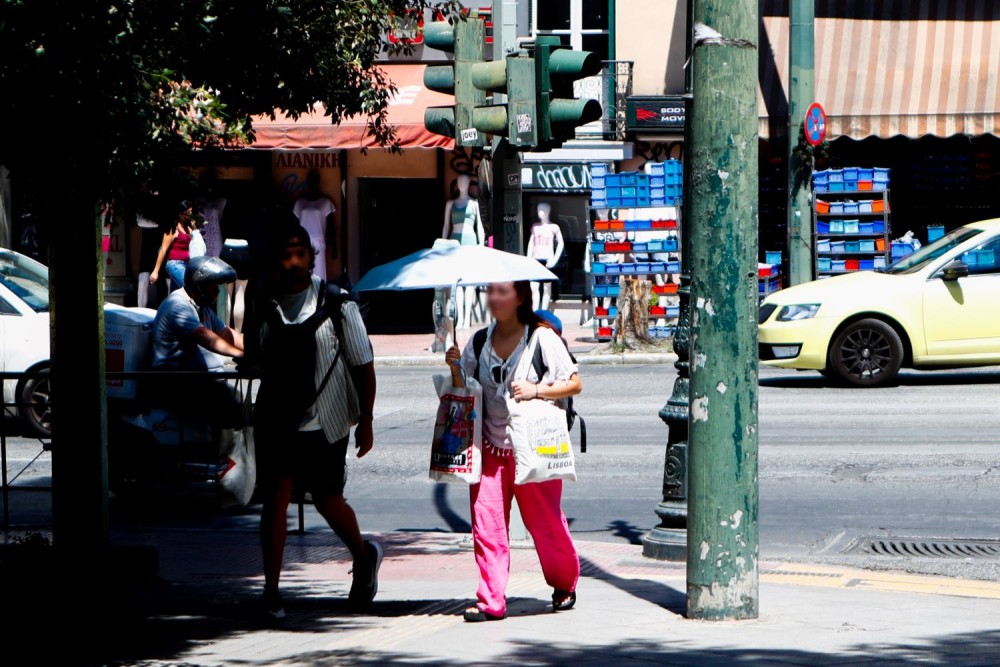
919 460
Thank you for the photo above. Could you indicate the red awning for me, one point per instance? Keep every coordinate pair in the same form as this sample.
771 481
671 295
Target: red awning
316 131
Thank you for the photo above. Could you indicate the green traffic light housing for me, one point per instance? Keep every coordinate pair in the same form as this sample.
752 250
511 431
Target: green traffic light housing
466 39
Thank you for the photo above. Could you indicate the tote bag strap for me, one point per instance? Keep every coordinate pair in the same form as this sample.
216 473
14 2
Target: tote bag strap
524 363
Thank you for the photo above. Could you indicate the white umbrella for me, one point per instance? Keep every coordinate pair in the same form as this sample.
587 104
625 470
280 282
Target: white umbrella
452 265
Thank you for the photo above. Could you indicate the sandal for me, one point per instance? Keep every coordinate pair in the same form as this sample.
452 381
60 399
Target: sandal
563 600
477 615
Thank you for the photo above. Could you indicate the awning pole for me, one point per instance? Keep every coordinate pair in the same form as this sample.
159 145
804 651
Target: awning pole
801 71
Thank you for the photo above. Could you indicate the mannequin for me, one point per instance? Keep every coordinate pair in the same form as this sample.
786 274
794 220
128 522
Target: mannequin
462 223
315 211
546 245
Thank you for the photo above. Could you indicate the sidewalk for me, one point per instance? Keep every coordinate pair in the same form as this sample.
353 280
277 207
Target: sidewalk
414 349
630 610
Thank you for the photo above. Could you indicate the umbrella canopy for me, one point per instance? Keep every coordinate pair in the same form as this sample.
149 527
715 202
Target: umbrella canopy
451 265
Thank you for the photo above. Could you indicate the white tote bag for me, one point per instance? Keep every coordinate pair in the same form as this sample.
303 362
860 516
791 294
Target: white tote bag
542 449
236 474
197 247
457 448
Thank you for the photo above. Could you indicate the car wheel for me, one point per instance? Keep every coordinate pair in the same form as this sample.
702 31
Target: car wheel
867 353
36 406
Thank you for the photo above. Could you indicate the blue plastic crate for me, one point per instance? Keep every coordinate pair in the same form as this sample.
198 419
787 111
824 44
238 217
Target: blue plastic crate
864 207
850 173
850 185
614 269
866 264
672 166
657 192
836 226
614 202
835 207
879 187
836 186
665 201
614 191
851 207
656 168
852 226
598 268
598 169
670 244
879 262
642 179
599 202
823 245
880 174
838 247
879 227
822 227
629 202
629 191
867 245
628 178
866 174
673 267
866 227
613 180
852 247
901 250
673 190
597 182
824 263
673 311
597 247
934 232
640 248
835 175
838 265
657 180
772 257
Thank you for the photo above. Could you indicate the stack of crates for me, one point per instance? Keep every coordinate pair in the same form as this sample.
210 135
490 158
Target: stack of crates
659 186
851 179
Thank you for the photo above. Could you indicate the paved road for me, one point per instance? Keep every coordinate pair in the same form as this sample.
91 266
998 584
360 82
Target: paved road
918 460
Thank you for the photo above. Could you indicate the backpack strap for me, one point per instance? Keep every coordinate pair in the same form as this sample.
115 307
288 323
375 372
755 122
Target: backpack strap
478 343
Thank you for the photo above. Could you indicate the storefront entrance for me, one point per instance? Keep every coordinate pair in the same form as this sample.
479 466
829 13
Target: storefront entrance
398 216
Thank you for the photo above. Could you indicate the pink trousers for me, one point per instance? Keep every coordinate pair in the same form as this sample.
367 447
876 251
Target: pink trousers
543 517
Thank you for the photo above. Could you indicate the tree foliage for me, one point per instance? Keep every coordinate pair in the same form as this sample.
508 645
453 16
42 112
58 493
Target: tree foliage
116 87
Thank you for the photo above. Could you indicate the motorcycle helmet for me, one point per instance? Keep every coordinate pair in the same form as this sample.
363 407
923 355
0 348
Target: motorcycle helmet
202 271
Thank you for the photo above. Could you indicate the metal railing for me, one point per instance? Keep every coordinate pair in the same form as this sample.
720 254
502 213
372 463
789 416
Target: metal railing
612 88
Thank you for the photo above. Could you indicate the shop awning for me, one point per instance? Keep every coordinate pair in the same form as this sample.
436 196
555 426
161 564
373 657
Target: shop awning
891 67
316 131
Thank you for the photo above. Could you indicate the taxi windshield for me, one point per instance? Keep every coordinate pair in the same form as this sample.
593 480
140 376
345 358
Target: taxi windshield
931 252
27 279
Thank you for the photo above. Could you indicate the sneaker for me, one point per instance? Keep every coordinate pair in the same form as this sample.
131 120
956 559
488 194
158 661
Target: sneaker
365 585
273 605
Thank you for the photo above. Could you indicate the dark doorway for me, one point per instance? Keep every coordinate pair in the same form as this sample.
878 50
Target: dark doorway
398 216
570 212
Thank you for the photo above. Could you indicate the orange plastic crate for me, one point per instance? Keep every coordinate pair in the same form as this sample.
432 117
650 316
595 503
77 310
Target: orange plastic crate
669 288
865 185
616 225
602 225
822 206
880 245
878 206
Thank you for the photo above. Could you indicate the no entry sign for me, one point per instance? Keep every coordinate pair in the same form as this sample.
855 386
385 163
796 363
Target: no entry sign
815 124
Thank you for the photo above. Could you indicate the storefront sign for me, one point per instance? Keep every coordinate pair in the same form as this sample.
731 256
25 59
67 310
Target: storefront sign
556 177
663 113
306 159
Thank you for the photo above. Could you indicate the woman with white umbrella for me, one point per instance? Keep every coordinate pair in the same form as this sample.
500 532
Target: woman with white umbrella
540 503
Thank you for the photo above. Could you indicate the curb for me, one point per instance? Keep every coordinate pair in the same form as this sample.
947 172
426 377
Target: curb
582 360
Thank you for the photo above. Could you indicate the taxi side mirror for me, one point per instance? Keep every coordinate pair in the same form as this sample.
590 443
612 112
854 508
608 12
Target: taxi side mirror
954 270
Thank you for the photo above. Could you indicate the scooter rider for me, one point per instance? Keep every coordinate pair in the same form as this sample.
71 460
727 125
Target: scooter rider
189 336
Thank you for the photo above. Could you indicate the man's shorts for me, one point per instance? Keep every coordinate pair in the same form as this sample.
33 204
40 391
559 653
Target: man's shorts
308 459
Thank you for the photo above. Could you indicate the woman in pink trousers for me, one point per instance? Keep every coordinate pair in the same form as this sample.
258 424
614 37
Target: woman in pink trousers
540 502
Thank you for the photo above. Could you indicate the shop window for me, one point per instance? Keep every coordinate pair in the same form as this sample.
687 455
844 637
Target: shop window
580 24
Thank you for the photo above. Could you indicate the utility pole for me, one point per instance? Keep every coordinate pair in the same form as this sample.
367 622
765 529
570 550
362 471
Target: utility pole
722 545
801 72
505 206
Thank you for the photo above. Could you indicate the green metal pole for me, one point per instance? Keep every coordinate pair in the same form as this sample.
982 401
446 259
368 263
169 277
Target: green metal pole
722 568
801 72
508 221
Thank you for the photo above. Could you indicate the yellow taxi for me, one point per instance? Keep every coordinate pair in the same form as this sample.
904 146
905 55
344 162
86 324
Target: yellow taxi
937 308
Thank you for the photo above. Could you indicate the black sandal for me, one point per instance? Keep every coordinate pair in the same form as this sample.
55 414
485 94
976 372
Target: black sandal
563 600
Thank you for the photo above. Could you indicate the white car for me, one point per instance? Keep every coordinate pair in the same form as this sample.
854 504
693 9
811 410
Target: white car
24 338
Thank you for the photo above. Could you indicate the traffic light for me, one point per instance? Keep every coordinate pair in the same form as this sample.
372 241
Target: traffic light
466 39
540 111
515 119
559 112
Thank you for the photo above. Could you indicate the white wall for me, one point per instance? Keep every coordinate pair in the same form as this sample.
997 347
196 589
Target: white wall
651 33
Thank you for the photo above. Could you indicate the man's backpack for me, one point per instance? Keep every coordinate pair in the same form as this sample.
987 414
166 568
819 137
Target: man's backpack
538 363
